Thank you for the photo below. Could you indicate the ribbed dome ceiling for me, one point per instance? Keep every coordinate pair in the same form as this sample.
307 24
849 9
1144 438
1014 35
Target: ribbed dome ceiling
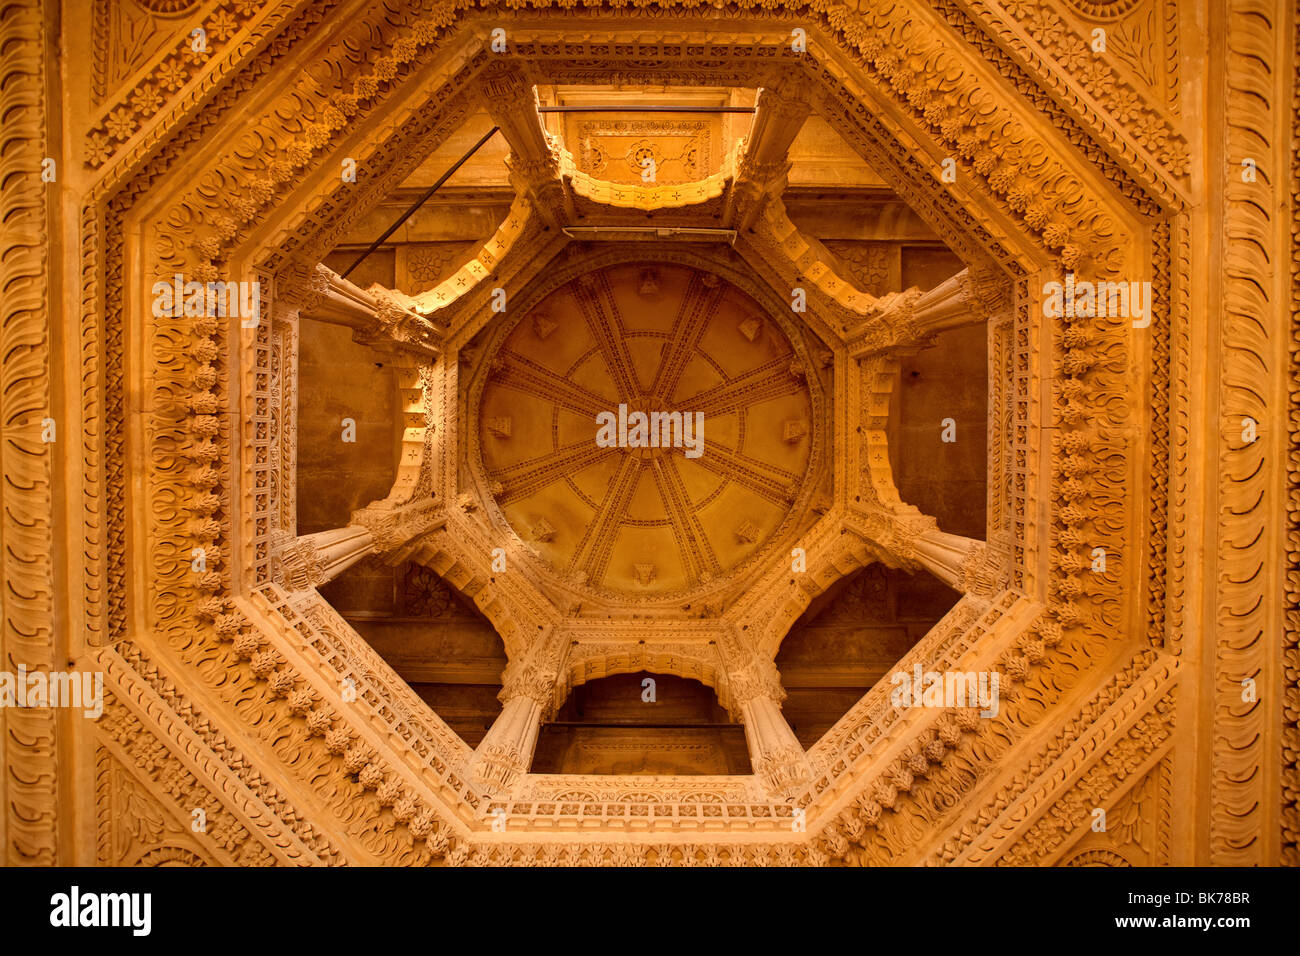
660 338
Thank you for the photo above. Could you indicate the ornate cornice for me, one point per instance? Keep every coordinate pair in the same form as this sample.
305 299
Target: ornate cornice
27 635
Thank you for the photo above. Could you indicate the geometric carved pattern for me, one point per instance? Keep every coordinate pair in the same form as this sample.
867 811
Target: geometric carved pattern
135 829
867 263
179 419
614 150
1096 75
426 265
425 595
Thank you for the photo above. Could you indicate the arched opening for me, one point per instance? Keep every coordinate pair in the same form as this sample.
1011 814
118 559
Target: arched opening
349 426
850 638
641 723
434 638
941 470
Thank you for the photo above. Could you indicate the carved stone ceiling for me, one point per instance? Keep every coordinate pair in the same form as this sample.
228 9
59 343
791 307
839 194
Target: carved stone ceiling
653 338
1106 437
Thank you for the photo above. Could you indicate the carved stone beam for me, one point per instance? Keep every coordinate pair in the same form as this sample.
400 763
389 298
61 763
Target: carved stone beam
755 692
913 318
379 317
789 258
503 257
915 541
527 696
765 163
534 159
310 560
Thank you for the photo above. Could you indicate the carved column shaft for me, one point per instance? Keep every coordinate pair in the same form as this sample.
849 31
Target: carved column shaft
506 751
394 527
512 102
527 696
912 539
379 317
765 164
774 750
946 306
943 555
534 162
964 564
913 317
754 687
779 115
311 560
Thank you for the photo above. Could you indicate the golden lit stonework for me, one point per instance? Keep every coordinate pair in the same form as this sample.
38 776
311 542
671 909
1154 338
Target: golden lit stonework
746 434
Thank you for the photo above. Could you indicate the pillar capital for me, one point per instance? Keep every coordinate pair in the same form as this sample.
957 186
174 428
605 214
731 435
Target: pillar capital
527 696
786 100
986 289
744 689
913 318
540 180
302 285
503 83
762 160
394 526
396 324
748 673
310 560
985 571
531 684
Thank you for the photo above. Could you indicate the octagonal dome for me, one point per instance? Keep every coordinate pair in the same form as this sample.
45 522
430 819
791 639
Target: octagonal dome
647 427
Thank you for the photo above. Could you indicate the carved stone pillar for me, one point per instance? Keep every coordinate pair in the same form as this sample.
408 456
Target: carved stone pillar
765 163
394 526
506 751
914 540
534 160
527 696
943 555
379 317
964 564
755 695
774 751
540 181
914 318
311 560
